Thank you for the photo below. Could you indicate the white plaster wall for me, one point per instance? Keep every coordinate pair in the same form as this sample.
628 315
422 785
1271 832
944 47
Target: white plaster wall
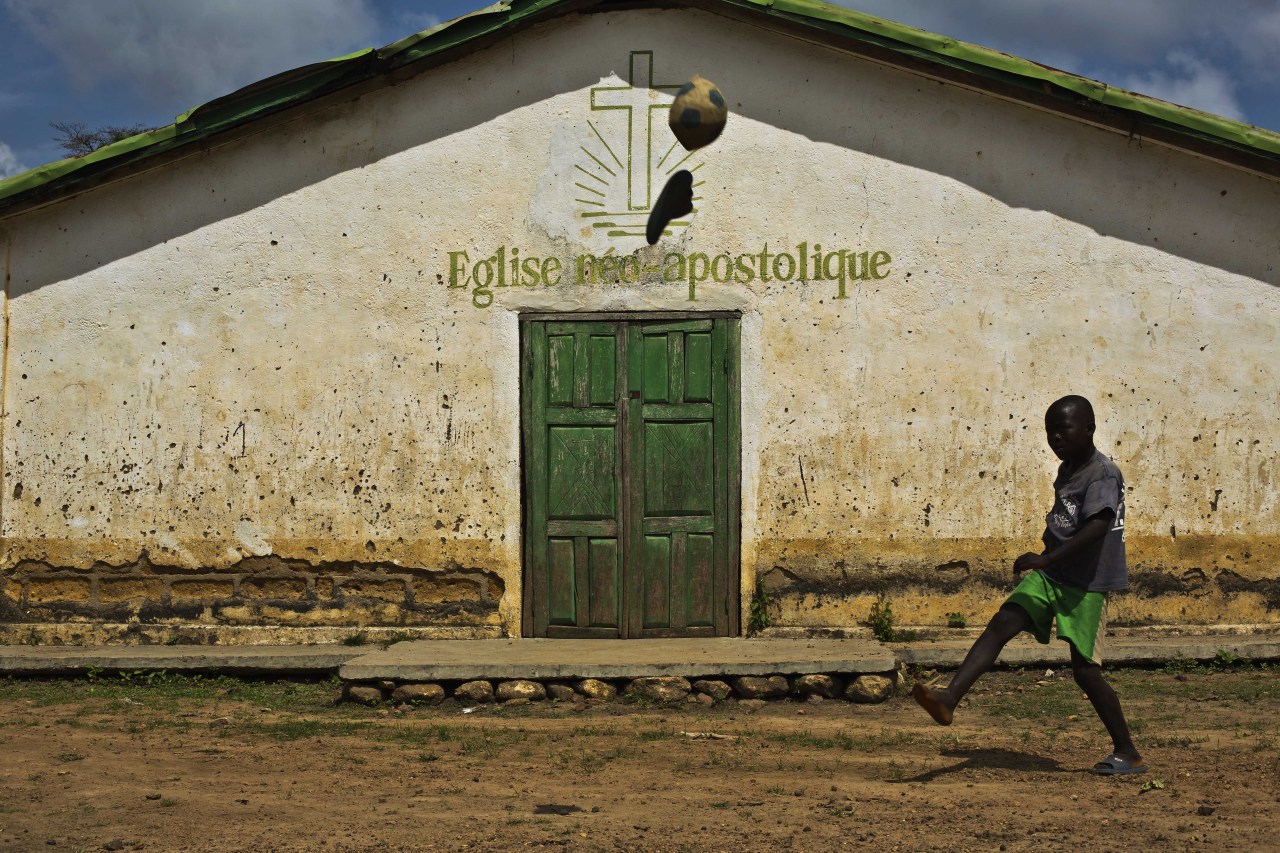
255 350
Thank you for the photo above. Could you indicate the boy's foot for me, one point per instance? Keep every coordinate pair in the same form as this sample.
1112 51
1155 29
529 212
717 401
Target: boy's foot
676 199
1117 765
929 699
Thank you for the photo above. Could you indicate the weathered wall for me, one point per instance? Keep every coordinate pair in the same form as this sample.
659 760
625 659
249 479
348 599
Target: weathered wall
240 389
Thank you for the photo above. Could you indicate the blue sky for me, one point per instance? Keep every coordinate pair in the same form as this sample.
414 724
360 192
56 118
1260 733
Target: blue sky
127 62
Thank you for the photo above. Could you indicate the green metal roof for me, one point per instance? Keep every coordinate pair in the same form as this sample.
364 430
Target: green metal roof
957 59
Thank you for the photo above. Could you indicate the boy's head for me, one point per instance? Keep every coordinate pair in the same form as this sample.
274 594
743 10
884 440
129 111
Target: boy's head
1069 426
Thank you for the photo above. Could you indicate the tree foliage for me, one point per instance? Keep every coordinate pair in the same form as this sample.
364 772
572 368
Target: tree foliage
77 139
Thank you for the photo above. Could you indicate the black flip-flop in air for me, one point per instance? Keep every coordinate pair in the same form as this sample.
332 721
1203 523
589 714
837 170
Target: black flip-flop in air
676 199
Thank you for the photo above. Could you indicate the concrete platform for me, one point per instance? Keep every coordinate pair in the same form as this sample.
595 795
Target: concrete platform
436 660
248 660
1116 651
427 660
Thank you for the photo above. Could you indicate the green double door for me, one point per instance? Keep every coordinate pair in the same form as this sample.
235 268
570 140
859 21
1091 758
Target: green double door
631 476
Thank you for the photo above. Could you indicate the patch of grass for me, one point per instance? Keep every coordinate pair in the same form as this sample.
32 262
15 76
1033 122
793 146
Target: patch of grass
419 735
296 729
488 744
358 639
1050 702
650 735
163 690
1167 741
840 740
956 620
1251 684
811 741
167 803
71 756
1224 660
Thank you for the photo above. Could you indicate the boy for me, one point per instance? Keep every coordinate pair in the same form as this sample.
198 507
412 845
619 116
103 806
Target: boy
1083 560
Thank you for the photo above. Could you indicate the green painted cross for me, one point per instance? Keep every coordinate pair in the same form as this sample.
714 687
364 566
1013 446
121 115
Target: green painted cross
635 99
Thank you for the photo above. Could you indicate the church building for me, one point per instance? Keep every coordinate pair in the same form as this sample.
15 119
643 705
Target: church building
380 344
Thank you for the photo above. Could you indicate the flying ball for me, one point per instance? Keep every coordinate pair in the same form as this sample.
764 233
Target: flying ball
698 113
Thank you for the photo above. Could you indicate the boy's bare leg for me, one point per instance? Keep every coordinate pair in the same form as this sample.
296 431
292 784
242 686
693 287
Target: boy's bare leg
1104 700
1009 621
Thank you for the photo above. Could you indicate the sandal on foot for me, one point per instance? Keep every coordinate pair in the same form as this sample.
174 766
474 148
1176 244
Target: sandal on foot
926 699
1116 765
676 199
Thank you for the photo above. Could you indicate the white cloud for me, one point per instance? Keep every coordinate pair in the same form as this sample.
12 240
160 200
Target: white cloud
178 54
1259 39
1190 52
1103 29
9 165
408 23
1124 34
1190 81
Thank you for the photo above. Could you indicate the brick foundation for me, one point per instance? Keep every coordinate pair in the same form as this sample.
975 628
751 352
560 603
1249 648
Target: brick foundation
258 591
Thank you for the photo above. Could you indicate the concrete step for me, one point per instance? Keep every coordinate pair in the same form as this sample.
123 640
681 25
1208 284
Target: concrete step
437 660
426 660
1116 651
248 660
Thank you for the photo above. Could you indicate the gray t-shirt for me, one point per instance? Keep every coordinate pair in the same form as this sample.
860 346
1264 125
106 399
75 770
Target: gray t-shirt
1097 487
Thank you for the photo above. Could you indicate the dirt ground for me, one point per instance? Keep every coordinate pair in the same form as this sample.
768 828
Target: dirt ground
160 762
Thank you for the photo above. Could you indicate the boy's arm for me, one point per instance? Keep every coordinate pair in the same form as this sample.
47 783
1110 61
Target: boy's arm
1089 533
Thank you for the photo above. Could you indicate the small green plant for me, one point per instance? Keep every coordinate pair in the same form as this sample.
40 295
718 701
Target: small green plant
395 637
881 622
358 639
1152 785
759 617
956 620
1226 659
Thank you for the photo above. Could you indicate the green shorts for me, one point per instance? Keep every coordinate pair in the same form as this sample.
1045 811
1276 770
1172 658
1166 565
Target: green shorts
1081 614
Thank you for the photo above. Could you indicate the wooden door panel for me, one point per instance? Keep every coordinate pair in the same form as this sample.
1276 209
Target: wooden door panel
697 367
698 580
604 607
581 482
678 477
656 577
562 582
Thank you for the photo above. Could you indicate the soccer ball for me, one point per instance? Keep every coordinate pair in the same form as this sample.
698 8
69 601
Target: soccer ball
698 113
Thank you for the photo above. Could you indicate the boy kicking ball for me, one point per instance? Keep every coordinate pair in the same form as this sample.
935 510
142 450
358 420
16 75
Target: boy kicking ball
1083 560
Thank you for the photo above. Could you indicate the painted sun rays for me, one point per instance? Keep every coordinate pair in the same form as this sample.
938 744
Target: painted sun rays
619 174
